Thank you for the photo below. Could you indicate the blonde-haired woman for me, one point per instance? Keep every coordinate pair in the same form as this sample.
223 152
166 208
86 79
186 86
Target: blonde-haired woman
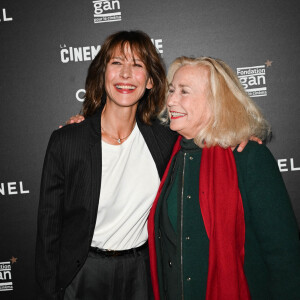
222 226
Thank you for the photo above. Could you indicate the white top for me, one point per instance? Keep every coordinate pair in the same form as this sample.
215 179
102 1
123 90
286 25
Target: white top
129 185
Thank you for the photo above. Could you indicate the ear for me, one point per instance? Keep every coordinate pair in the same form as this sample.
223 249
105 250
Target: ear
149 84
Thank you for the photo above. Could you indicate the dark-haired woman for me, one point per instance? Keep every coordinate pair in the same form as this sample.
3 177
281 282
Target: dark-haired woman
100 178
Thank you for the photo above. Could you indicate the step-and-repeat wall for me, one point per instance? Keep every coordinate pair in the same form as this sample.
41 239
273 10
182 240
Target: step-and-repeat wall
46 48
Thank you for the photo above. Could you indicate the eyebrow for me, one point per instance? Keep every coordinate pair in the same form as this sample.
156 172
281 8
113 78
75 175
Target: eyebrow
123 58
180 85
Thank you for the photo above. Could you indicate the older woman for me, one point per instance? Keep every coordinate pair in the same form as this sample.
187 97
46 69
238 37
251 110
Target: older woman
222 226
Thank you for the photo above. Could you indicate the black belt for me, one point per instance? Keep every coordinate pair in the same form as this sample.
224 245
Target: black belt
105 252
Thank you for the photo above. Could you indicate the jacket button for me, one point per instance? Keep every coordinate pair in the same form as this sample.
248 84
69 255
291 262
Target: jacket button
187 238
189 196
189 279
170 264
191 157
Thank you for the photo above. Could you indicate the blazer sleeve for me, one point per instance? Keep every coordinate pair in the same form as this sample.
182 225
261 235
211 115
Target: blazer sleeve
49 222
274 223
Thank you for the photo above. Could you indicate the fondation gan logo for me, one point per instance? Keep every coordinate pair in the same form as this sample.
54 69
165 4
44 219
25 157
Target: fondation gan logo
253 79
6 283
107 11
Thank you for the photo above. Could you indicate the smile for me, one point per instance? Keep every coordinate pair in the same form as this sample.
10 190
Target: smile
125 88
176 115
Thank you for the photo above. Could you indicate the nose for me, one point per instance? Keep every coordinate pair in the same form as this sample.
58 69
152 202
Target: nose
172 99
126 71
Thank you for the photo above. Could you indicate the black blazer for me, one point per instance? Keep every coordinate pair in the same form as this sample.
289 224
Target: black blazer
69 197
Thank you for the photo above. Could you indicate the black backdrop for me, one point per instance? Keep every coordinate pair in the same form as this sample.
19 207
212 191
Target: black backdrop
46 48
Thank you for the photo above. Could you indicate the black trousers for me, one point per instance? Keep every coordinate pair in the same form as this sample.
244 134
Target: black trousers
125 277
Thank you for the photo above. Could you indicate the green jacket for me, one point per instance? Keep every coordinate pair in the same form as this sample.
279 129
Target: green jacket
272 246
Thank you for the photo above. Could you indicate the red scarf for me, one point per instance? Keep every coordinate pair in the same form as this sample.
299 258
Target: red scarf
223 215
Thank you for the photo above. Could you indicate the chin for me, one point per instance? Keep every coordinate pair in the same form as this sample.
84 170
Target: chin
174 128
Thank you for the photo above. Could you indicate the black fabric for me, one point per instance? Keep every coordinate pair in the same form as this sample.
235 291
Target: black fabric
125 277
104 252
69 197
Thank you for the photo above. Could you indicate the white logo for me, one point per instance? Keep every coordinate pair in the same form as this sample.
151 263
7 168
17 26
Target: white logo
253 79
78 54
80 95
87 53
4 16
158 45
286 165
5 276
107 11
12 188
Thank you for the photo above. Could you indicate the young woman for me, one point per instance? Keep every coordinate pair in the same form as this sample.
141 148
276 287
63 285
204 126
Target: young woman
100 178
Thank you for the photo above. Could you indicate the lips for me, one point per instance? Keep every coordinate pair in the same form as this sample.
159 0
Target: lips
125 88
176 115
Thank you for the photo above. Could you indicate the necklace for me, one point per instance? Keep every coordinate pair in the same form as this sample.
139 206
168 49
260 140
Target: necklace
119 140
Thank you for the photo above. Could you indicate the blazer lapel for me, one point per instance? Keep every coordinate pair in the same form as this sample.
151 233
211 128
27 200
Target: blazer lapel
153 146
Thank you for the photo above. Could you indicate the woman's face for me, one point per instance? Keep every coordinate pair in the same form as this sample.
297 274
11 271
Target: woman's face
187 100
126 78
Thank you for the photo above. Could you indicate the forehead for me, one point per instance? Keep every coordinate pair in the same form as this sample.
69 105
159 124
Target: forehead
192 75
126 51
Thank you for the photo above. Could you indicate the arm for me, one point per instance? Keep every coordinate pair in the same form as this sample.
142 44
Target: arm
274 223
50 221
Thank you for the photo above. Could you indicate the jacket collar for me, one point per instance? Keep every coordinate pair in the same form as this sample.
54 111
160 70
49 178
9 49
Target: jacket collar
152 144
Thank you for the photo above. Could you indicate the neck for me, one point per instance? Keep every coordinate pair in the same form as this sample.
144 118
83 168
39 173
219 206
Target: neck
117 122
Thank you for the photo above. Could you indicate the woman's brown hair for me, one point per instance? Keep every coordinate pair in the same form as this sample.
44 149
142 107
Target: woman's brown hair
140 44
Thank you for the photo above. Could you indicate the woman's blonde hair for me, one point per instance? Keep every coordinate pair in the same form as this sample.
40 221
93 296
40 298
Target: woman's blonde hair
234 116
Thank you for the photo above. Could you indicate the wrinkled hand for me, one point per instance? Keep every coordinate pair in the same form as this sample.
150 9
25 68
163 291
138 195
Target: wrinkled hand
74 119
244 143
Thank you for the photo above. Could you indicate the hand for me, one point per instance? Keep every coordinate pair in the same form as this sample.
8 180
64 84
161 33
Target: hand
244 143
74 119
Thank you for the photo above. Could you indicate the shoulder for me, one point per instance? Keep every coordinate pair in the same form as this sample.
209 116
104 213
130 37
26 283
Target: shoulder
164 131
71 130
254 152
75 134
161 133
256 163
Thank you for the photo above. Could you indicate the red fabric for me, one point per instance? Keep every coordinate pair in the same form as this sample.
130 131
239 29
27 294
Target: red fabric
223 215
222 210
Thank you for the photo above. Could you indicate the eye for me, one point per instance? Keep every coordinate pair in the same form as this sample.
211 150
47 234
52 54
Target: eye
138 65
184 92
171 91
115 62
